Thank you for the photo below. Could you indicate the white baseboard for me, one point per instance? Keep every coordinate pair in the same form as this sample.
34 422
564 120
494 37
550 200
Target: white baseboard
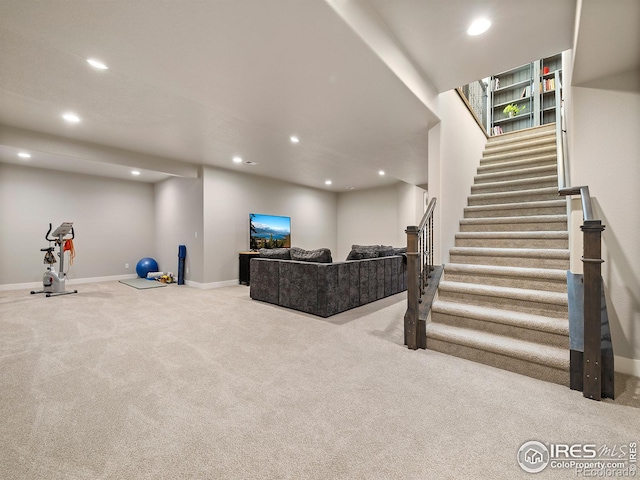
70 282
630 366
113 278
208 286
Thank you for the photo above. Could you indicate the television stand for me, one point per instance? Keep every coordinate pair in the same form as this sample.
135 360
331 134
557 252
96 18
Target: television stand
245 266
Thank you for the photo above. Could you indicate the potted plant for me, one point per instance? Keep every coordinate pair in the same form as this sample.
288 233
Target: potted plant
512 109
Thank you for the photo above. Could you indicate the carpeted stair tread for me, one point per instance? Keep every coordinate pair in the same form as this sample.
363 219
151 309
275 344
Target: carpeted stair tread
542 273
522 135
518 219
487 166
520 349
500 143
516 174
542 140
504 317
515 196
522 206
519 184
547 234
516 294
489 158
557 253
493 239
533 278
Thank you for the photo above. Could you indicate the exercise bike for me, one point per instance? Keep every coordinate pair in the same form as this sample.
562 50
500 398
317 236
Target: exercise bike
52 281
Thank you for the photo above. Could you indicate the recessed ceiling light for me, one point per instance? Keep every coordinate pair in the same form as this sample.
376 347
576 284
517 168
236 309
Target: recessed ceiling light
96 64
24 155
237 160
71 117
294 139
328 182
479 26
381 172
135 172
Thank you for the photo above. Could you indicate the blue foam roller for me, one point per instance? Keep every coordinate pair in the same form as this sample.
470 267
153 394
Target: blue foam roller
182 254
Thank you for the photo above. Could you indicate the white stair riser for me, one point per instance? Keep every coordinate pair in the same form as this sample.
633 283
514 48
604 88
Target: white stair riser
526 306
514 212
559 243
505 261
495 187
547 285
522 367
530 335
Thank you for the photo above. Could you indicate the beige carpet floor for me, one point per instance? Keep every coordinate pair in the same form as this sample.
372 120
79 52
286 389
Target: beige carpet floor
172 383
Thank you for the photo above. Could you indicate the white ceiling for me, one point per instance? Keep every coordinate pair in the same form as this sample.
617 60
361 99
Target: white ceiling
608 41
201 81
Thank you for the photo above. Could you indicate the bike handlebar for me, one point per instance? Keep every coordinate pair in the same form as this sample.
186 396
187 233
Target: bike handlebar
73 235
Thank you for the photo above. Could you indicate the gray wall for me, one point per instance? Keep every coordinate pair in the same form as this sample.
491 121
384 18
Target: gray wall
113 220
605 146
377 216
229 198
179 221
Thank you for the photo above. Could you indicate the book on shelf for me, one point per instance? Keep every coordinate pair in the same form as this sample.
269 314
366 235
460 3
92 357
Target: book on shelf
526 92
496 83
497 130
549 84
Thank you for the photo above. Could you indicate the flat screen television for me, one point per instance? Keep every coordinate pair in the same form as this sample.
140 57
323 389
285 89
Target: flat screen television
269 231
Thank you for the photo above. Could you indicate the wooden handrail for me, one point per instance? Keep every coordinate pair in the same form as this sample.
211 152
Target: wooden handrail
419 268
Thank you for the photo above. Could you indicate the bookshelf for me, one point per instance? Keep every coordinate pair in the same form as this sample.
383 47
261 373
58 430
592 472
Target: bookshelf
531 86
548 87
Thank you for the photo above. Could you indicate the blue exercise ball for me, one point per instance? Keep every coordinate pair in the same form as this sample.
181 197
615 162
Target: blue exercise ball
146 265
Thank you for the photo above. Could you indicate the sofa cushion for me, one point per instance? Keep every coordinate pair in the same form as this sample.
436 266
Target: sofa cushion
321 255
399 250
359 252
276 253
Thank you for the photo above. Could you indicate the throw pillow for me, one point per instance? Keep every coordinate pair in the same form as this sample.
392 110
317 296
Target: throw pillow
366 251
353 255
321 255
276 253
399 250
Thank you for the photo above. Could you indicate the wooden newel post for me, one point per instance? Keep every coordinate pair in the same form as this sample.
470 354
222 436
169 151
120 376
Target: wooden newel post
592 378
411 317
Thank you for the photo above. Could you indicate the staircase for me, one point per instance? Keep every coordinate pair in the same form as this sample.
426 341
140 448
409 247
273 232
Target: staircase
503 297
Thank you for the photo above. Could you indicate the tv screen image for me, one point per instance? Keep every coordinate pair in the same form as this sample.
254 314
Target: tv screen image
269 231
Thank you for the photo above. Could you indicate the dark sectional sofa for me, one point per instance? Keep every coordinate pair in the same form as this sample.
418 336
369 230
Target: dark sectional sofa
325 289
